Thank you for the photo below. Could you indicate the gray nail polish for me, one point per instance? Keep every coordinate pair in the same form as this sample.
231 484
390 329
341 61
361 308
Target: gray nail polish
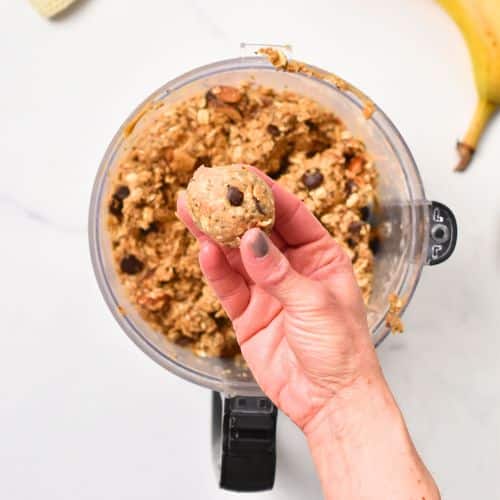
260 245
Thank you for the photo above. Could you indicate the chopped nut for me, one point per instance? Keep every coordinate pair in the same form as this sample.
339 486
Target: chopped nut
352 200
356 165
230 95
203 116
231 112
393 321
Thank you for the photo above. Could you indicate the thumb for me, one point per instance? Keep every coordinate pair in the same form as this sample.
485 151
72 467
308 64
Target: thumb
270 270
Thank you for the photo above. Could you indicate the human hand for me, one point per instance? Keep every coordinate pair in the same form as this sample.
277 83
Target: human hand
295 305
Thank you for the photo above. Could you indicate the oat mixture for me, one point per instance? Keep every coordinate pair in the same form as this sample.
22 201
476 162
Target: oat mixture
393 320
227 201
290 137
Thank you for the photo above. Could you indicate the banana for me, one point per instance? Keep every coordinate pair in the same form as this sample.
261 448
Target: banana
479 22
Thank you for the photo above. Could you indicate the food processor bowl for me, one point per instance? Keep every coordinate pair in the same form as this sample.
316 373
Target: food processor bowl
412 232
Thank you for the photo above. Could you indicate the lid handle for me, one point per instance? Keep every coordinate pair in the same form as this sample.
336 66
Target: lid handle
442 233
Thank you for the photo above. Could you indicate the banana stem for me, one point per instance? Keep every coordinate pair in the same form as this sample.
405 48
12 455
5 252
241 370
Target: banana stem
467 146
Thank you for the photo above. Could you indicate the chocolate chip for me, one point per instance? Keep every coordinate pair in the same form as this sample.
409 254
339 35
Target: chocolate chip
311 125
374 244
206 161
355 227
365 213
116 206
131 265
351 242
310 154
273 130
313 179
184 341
234 196
348 156
153 228
258 206
121 193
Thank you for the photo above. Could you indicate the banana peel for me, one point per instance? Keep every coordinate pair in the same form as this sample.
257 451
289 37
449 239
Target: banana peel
479 22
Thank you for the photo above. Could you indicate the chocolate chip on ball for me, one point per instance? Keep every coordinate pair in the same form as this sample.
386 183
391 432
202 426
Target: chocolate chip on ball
234 196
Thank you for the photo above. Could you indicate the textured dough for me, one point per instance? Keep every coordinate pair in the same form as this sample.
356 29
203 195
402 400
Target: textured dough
226 201
289 137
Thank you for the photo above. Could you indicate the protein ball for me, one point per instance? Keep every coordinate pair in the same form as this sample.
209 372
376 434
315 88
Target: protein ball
226 201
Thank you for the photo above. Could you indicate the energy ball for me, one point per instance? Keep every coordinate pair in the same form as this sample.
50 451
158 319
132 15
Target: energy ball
226 201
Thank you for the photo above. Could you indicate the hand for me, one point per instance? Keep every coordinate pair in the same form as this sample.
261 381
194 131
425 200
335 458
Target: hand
295 305
301 323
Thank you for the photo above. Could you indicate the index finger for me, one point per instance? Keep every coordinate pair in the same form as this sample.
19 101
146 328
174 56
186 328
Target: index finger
294 222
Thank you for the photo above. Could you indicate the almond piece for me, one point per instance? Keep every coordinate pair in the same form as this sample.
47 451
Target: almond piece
356 165
229 95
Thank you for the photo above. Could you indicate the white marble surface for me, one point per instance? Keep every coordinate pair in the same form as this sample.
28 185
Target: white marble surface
83 413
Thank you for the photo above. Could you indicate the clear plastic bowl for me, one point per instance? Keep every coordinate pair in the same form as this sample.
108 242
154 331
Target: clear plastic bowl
403 216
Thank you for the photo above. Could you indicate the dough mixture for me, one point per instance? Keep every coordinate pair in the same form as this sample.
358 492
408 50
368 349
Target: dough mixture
227 201
290 137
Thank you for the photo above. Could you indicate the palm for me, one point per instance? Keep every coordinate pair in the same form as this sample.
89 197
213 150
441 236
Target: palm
276 342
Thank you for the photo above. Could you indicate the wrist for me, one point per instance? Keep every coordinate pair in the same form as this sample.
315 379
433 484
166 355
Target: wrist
362 448
350 413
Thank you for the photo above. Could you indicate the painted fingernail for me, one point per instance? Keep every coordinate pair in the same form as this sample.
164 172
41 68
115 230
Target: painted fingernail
260 245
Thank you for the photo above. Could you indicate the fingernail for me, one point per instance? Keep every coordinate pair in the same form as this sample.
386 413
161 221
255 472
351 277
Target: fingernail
260 245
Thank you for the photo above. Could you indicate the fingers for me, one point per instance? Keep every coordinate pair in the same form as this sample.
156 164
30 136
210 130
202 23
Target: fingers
270 270
294 222
229 286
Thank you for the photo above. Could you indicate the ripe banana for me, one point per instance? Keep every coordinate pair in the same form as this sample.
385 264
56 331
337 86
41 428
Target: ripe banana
479 22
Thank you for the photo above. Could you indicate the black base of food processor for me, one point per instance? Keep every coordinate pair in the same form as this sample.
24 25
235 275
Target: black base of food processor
244 442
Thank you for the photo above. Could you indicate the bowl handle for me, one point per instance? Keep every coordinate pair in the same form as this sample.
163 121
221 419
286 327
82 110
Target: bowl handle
442 233
244 442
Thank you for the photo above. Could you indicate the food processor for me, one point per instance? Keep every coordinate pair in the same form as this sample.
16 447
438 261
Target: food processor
413 231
